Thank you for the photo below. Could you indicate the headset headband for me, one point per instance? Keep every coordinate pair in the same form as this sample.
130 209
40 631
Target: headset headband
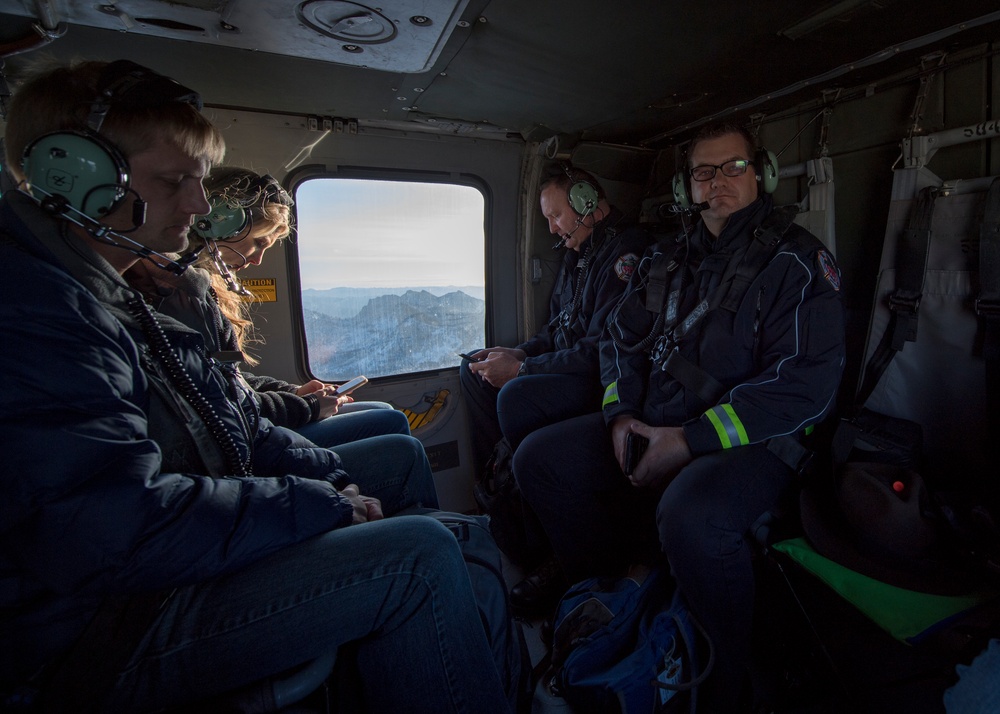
125 83
268 191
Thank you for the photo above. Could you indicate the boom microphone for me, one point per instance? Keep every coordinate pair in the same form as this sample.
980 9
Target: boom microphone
562 241
59 205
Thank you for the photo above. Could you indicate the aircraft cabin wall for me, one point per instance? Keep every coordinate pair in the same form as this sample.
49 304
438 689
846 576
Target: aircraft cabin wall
861 133
270 143
278 144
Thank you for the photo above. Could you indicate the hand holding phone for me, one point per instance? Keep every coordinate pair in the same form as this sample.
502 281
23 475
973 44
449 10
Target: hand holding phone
635 447
349 386
469 357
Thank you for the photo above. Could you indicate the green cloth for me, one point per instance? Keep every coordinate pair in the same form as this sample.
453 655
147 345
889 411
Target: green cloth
904 614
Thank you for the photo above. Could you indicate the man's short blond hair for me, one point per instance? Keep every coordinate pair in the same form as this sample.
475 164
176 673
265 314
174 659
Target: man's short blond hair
60 98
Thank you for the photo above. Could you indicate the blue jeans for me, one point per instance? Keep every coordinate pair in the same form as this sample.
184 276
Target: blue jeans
398 588
393 468
356 420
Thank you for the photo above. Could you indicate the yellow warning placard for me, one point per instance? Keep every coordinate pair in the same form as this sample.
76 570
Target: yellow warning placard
263 289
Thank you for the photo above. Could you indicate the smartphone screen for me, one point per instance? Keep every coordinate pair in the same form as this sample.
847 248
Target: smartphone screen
350 386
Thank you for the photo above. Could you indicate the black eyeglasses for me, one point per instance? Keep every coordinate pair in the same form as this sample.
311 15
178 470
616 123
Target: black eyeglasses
706 172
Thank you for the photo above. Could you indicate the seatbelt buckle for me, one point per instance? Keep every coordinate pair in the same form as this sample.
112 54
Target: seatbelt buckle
660 351
805 462
904 304
987 307
905 308
792 453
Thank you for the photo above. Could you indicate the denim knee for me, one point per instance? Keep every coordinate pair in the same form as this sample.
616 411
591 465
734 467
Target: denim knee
425 539
387 421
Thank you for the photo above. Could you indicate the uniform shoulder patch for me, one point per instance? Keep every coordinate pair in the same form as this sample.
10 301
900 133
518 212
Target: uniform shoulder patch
625 266
828 269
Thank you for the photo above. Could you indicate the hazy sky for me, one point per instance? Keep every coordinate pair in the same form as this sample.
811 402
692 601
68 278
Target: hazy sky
358 233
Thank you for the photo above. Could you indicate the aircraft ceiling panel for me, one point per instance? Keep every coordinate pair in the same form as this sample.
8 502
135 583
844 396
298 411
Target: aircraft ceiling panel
392 35
619 72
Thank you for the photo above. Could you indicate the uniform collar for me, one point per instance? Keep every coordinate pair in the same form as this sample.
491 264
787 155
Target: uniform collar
606 225
740 226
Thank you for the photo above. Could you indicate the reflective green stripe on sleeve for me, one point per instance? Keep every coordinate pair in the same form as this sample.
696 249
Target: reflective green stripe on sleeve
728 426
610 394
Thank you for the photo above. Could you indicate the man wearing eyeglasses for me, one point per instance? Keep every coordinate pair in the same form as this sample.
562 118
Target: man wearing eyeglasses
723 175
726 348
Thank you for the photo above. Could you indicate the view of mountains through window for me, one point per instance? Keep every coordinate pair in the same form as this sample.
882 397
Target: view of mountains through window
391 273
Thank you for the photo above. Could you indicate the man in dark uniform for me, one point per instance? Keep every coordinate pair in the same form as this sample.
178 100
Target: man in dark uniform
727 346
555 374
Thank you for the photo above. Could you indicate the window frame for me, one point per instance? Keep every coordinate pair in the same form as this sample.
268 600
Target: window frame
310 173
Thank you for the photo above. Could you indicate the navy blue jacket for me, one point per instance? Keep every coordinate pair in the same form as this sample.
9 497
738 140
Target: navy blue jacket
90 504
778 358
569 345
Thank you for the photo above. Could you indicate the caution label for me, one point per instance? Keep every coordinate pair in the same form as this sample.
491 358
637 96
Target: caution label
263 289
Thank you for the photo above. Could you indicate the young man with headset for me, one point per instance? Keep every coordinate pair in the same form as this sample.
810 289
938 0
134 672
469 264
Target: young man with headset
511 391
159 543
726 348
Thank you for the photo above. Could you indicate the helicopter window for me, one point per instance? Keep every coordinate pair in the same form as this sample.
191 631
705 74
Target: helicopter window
392 274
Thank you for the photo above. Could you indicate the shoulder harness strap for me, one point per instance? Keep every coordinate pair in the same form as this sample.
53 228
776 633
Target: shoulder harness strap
763 246
740 274
904 300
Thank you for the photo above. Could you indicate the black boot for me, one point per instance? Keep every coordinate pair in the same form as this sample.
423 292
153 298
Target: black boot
539 592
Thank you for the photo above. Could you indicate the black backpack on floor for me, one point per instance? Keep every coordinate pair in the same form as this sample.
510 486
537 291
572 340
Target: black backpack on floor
482 557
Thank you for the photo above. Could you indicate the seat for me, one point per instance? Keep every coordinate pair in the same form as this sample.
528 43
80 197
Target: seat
880 647
273 694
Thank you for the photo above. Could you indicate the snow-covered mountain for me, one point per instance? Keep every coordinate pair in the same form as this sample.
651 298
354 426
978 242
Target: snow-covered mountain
352 331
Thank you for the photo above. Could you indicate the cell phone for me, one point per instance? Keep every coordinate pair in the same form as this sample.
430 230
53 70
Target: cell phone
350 386
635 447
469 357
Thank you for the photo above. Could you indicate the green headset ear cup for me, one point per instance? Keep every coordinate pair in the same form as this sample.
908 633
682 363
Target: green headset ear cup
767 170
225 219
583 197
90 173
681 196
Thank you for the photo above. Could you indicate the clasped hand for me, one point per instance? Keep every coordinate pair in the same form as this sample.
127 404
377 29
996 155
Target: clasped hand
366 508
668 451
